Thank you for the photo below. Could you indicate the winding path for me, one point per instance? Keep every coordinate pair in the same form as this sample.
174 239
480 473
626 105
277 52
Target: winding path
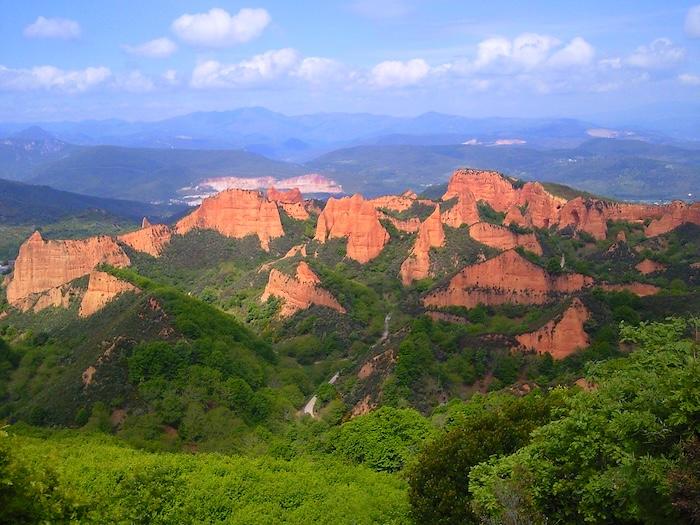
310 406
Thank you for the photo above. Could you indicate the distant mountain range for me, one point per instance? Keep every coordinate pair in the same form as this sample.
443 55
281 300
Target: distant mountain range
29 204
373 154
303 137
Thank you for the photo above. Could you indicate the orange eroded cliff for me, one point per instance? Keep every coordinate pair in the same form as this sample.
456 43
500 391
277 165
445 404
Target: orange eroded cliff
102 288
430 235
298 292
464 211
674 215
506 278
648 266
562 337
151 238
354 218
502 238
640 289
488 186
292 196
236 213
42 265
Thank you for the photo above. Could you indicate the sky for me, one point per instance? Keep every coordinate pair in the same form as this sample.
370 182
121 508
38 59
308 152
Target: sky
153 59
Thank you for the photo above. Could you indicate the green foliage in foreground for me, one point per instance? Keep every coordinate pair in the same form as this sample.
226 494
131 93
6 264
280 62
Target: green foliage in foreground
113 484
608 459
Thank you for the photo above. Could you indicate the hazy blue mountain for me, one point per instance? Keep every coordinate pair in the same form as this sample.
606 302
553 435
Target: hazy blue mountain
623 169
25 203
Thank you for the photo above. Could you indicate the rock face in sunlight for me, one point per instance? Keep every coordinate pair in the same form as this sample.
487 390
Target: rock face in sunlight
43 265
430 235
299 292
640 289
648 266
674 215
292 196
236 213
464 211
560 337
487 186
102 288
151 238
502 238
506 278
358 221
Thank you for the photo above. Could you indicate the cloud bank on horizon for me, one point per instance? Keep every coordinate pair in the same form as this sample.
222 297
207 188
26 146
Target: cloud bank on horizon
390 56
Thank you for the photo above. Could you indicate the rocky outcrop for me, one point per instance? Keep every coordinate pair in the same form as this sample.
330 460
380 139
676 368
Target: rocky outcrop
561 337
648 266
464 211
398 203
430 235
42 265
358 221
640 289
506 278
674 215
488 186
299 292
102 289
236 213
151 239
58 297
292 196
533 205
295 210
503 238
404 225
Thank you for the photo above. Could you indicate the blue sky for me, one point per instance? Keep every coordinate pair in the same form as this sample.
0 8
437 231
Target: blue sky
148 59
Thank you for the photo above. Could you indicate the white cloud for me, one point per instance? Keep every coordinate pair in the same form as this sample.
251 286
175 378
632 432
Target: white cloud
217 28
490 50
317 70
578 52
52 78
171 77
530 49
661 53
134 82
689 80
379 9
53 28
394 73
157 48
260 68
692 22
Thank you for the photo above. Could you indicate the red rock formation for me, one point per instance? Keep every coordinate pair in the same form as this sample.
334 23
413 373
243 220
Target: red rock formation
407 226
236 213
296 210
42 265
674 215
150 239
58 297
586 215
430 235
464 211
515 216
398 203
648 266
292 196
299 292
102 289
541 207
562 337
488 186
640 289
506 278
502 238
354 218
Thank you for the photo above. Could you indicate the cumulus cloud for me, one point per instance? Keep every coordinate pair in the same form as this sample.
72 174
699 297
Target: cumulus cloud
578 52
692 22
43 27
395 73
218 28
134 82
171 77
661 53
689 80
157 48
260 68
52 78
318 70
